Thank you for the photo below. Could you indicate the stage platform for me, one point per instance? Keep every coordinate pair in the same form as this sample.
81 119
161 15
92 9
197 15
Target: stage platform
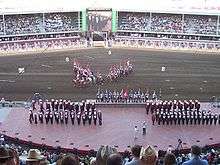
117 130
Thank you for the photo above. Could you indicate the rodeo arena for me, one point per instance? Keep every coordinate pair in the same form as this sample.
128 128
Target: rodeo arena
99 82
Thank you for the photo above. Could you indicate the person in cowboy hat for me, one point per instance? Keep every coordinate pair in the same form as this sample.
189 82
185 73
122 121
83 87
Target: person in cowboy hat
4 156
34 157
148 156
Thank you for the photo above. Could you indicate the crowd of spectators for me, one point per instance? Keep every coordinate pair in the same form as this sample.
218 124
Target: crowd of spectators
195 24
170 23
136 22
18 24
23 154
23 24
56 22
42 45
39 37
168 44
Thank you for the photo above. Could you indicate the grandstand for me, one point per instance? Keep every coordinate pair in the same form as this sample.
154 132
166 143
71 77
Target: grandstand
109 82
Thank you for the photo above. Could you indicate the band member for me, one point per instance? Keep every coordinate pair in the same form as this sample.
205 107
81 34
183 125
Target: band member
100 117
46 117
31 116
95 118
84 119
90 118
78 117
61 118
66 117
51 117
153 117
56 115
72 116
35 118
144 128
40 116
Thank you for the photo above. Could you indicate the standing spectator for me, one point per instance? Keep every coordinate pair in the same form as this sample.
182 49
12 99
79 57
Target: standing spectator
135 151
148 156
4 156
170 159
103 153
114 159
70 160
196 160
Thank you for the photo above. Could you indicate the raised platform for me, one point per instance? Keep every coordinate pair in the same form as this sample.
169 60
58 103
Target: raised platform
117 130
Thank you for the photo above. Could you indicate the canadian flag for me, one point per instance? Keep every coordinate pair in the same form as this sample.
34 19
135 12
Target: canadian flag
126 93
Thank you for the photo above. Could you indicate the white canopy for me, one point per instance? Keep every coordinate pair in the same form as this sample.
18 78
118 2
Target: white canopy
163 6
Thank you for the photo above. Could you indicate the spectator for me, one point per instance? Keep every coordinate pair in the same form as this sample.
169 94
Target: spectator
15 159
70 160
34 157
148 156
4 156
196 160
170 159
135 151
103 153
114 159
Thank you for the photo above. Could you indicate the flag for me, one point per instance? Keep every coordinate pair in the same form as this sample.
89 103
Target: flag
126 93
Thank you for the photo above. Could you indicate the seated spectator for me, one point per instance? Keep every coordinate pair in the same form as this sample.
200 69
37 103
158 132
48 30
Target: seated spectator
135 151
70 160
196 152
148 156
170 159
114 159
103 153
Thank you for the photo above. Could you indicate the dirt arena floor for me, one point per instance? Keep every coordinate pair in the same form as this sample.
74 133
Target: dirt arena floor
187 75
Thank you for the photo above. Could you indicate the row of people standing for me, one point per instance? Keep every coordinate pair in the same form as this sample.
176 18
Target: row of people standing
60 111
188 117
152 106
126 96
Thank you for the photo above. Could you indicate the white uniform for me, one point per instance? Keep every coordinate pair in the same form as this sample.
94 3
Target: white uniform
135 132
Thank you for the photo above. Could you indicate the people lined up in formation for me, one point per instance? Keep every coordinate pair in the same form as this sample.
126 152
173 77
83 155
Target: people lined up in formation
63 111
172 23
126 96
180 112
119 71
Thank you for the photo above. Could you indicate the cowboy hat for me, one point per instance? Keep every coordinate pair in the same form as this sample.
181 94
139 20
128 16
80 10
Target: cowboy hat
34 155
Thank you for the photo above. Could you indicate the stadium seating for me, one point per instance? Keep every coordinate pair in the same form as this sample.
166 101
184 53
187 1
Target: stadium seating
136 22
171 23
56 22
1 26
39 23
195 24
23 24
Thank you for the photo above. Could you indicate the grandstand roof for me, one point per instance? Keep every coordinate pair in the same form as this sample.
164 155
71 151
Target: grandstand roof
166 6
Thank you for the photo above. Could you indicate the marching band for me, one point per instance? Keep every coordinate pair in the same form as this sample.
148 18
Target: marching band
60 111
